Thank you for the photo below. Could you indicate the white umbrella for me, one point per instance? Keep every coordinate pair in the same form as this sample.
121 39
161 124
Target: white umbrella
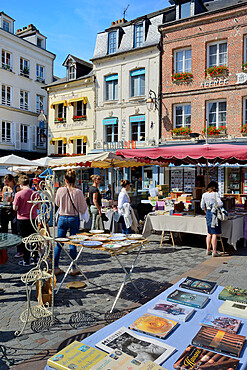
15 160
42 162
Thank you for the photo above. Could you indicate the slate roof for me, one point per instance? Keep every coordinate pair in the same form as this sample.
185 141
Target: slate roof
64 79
220 4
78 60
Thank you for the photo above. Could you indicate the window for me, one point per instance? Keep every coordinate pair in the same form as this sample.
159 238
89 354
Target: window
138 82
6 95
111 87
216 113
182 115
112 42
24 130
24 67
80 108
245 112
81 147
72 74
61 147
40 73
182 62
245 49
185 10
6 60
24 99
61 111
138 35
137 128
6 25
111 133
217 54
6 132
39 42
39 103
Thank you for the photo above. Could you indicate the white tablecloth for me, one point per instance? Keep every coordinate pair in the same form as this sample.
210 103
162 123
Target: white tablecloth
232 229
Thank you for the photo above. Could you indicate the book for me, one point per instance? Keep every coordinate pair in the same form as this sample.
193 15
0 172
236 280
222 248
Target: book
233 294
171 310
219 340
118 360
234 309
76 355
198 358
188 299
154 325
142 348
228 324
201 286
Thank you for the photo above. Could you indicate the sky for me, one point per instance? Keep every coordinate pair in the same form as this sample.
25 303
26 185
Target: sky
71 26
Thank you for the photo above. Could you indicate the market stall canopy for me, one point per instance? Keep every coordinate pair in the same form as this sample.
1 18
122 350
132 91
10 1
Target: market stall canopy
42 162
100 160
190 154
15 160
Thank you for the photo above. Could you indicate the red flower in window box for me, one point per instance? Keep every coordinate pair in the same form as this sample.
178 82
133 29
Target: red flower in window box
182 76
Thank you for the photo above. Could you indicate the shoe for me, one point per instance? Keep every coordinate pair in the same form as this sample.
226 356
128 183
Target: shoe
23 263
58 271
74 272
18 255
216 254
208 253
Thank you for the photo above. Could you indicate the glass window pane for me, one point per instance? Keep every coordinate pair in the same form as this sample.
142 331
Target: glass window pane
185 10
222 106
142 84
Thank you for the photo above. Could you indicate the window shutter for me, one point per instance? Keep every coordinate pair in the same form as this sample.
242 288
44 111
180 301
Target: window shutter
16 136
0 131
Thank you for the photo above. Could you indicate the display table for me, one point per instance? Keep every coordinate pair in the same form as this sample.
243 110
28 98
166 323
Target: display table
181 337
232 229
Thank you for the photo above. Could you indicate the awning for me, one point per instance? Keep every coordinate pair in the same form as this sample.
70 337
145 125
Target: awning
54 139
64 102
83 137
84 98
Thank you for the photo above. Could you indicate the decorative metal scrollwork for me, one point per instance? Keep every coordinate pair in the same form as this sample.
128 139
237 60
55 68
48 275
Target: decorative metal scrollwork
82 319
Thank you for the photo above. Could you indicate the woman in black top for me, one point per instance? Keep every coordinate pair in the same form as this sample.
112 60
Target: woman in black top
95 199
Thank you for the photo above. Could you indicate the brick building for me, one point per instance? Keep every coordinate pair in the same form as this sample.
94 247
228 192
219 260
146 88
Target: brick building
195 93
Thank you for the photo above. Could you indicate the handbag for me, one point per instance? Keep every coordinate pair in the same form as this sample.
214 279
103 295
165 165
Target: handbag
221 213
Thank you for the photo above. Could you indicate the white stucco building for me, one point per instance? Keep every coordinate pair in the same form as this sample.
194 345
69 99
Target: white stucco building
26 66
127 66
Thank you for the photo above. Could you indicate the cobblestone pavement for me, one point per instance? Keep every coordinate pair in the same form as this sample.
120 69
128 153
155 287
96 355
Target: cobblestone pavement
157 266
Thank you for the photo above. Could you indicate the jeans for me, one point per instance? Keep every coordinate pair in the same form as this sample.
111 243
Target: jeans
94 212
125 230
65 223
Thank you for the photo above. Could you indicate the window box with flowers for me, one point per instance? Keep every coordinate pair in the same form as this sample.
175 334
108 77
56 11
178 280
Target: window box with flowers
244 67
181 133
65 155
214 131
244 130
79 118
60 119
25 72
7 67
216 71
182 77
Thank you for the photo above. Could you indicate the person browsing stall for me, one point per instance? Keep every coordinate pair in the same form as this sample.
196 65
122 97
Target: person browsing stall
71 203
95 199
127 216
8 214
209 199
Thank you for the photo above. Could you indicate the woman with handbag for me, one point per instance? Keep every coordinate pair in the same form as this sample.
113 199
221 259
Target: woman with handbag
71 203
125 211
209 200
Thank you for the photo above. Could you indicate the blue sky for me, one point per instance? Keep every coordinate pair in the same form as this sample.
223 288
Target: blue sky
71 26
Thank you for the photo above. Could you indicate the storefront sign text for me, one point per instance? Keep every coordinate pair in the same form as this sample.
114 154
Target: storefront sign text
128 144
214 83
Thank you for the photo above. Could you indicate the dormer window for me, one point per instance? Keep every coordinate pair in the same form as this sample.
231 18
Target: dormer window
71 72
6 25
138 35
112 42
185 10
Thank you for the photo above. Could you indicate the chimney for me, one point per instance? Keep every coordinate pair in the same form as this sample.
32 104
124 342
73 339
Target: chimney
119 21
24 28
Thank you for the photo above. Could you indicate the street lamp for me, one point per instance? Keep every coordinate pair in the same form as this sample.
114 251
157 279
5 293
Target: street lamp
152 101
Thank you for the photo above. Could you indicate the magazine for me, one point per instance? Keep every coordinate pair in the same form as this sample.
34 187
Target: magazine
228 324
154 325
219 340
201 286
143 349
194 358
171 310
188 299
234 308
74 355
233 294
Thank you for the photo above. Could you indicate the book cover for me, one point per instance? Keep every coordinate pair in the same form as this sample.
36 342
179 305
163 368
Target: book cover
228 324
171 310
219 340
201 286
188 299
233 294
143 349
154 325
149 365
234 309
194 358
118 360
76 356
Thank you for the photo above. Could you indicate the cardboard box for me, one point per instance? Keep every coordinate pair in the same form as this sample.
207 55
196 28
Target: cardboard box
163 187
184 199
178 207
153 198
163 193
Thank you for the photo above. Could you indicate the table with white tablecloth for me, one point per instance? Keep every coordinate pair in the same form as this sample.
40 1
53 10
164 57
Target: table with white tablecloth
232 229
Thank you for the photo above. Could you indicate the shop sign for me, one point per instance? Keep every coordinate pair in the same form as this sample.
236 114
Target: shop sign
241 78
214 83
128 144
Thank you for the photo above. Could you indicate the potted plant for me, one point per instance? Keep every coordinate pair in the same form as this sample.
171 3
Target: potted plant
244 130
60 119
244 67
216 71
181 132
79 118
182 77
214 131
